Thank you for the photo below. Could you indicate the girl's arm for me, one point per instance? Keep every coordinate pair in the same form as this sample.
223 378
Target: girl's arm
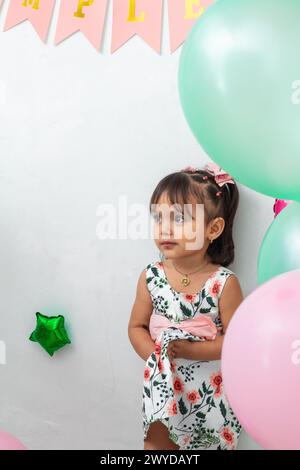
138 327
229 301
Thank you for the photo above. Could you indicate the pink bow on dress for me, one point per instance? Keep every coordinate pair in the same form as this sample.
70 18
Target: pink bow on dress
201 326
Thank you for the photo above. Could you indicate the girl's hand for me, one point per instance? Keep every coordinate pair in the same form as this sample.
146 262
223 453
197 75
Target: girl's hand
179 348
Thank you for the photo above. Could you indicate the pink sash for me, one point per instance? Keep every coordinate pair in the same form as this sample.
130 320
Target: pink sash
201 326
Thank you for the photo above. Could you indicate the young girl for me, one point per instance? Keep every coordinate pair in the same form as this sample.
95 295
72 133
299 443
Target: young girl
183 305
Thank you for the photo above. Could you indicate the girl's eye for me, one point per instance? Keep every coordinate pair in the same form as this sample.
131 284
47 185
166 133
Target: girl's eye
179 218
156 217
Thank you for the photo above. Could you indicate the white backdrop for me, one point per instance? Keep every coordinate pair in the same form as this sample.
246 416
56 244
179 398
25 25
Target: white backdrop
80 128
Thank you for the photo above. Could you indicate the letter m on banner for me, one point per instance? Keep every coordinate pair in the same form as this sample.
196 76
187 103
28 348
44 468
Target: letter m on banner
38 12
34 3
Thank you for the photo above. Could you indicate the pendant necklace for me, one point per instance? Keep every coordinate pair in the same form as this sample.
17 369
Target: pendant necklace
185 280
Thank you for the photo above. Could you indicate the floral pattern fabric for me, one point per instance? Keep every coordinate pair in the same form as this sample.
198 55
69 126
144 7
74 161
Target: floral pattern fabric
187 395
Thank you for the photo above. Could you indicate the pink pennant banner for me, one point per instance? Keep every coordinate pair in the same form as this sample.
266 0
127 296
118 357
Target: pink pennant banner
182 16
142 17
38 12
130 17
87 16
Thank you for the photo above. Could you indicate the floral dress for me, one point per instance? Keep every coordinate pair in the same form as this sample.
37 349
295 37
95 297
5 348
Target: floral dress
187 396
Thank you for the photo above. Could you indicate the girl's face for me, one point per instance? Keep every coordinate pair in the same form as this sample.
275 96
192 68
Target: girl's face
179 230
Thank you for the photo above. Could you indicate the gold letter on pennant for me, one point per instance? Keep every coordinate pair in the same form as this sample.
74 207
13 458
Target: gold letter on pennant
190 14
131 15
81 4
36 4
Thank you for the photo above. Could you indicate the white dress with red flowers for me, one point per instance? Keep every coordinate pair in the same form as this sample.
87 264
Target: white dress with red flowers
186 395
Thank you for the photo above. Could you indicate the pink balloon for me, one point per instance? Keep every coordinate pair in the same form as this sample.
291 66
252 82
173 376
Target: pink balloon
9 442
261 363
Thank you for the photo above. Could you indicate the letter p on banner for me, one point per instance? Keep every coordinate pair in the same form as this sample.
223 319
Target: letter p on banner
81 4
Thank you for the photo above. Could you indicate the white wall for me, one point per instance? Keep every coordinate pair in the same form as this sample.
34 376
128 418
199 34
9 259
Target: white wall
80 128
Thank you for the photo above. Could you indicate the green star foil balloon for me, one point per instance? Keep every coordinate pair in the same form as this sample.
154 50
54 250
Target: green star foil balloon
50 332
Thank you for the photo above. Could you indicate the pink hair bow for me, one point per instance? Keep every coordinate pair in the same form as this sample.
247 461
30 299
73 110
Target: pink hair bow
221 177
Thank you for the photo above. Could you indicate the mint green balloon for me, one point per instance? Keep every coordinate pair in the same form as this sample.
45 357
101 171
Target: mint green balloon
238 84
280 249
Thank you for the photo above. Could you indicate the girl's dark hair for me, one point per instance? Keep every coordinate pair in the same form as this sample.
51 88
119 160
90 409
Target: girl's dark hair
183 185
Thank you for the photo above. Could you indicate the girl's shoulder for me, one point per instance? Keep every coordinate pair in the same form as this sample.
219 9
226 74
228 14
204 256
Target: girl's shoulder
156 264
222 275
154 268
155 279
226 271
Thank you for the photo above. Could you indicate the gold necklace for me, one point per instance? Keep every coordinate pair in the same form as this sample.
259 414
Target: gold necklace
185 281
